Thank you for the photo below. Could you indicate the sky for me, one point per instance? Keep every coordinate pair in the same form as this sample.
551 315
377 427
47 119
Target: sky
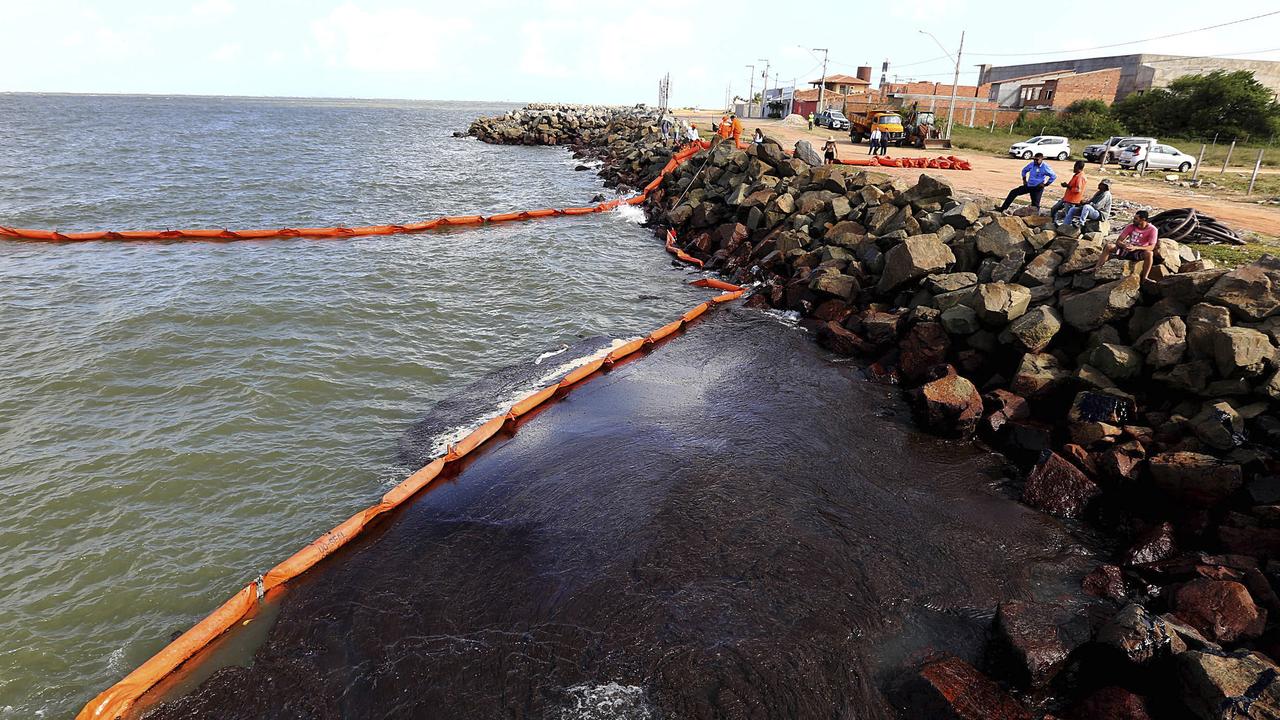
566 50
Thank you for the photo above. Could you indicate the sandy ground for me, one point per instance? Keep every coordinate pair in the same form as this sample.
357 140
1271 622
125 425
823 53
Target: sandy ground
994 177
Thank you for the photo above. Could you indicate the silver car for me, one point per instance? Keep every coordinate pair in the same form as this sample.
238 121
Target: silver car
1156 157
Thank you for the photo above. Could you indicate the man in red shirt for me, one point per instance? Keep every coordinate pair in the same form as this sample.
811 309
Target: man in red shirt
1137 241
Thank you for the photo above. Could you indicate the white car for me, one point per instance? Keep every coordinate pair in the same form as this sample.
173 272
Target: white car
1111 149
1163 157
1051 146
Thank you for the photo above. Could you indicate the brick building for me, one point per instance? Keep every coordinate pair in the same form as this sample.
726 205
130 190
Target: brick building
1138 73
1055 90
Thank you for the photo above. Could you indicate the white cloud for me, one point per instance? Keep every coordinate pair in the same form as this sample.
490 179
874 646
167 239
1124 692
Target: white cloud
226 53
391 40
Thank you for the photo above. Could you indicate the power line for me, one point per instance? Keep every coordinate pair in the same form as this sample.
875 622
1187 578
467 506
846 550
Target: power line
1132 42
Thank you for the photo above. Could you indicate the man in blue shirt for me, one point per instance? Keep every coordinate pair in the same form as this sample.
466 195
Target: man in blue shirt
1035 177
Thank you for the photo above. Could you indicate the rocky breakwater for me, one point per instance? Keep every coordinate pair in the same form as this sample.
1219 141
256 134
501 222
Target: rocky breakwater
1150 409
544 124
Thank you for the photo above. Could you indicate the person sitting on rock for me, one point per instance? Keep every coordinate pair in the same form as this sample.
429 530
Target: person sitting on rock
829 153
1098 207
1136 242
1035 176
1074 195
694 136
758 139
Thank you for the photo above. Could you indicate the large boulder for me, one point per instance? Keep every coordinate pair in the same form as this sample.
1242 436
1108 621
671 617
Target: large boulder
1002 236
1203 323
944 687
1188 287
960 320
963 215
924 346
997 303
1139 636
1222 610
1033 640
834 284
1038 374
1033 331
1251 292
928 189
804 151
949 404
1218 425
1165 343
1057 487
1118 362
914 258
1195 479
1241 351
1094 308
1243 685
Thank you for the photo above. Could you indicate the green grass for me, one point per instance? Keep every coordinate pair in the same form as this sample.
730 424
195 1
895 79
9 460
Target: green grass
1243 157
1236 255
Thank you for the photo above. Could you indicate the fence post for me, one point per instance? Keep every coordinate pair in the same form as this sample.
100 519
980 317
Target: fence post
1256 165
993 123
1229 151
1196 173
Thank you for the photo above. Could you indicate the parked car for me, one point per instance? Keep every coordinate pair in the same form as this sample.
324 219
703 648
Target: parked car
1155 156
1051 146
1111 149
833 119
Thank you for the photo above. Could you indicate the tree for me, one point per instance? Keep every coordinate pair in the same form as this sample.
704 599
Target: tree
1230 104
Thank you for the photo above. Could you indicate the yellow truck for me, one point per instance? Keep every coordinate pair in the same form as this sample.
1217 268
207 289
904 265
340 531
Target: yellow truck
888 121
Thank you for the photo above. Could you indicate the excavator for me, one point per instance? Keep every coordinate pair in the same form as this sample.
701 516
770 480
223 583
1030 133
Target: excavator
919 130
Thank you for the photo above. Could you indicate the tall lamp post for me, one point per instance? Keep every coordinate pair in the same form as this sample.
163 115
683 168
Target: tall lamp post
822 82
751 92
955 82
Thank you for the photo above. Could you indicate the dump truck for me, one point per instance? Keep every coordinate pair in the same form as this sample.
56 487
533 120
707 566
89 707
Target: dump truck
919 130
889 122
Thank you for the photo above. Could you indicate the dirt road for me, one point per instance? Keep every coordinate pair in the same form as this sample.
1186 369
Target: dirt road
993 177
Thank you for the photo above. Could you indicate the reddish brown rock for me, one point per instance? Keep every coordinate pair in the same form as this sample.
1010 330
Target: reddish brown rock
1111 703
836 338
1122 463
1220 609
1195 479
1001 407
924 346
1106 581
1081 457
1057 487
1152 545
948 404
948 688
1031 641
832 311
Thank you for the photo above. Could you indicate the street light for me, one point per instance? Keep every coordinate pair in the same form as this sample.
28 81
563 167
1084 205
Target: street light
751 92
955 82
764 92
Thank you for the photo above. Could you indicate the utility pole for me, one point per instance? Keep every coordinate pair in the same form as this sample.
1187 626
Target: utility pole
764 92
955 82
822 81
751 87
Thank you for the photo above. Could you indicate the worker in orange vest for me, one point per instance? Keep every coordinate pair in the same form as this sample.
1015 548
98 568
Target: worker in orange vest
725 129
737 129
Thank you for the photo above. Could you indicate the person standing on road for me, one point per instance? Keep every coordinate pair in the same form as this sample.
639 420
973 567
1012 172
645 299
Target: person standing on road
1074 196
1035 176
829 153
1136 242
810 120
1098 207
874 140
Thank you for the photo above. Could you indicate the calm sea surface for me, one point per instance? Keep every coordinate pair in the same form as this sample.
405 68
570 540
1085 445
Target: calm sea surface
176 418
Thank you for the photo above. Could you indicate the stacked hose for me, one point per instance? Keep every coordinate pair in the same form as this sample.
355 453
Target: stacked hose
1188 225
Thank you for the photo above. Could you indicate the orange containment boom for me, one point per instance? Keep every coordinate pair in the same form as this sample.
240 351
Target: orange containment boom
225 235
119 699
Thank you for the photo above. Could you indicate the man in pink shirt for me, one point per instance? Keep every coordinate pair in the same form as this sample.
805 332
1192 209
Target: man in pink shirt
1137 241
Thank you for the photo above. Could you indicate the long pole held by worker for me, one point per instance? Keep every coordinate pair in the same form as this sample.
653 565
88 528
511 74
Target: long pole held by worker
955 85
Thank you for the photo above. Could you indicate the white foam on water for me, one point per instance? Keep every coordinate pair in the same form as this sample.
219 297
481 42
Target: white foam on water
550 354
630 213
440 443
610 701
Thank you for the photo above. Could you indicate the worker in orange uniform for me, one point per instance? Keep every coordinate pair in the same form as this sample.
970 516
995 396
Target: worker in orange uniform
1074 196
725 129
737 129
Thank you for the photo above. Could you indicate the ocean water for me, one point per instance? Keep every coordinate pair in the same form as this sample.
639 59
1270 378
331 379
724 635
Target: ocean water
176 418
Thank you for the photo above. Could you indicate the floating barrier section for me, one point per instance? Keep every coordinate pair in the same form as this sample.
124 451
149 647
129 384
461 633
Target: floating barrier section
939 163
120 698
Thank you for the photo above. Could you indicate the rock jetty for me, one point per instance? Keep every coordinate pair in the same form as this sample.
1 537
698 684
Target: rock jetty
1148 410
